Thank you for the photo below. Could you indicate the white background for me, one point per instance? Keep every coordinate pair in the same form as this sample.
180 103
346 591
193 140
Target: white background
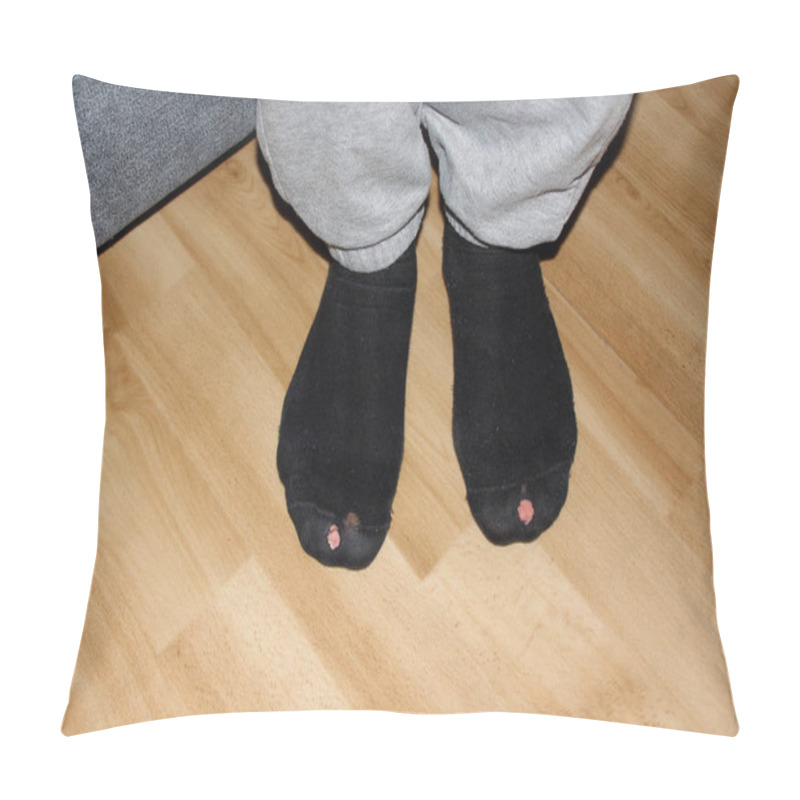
52 390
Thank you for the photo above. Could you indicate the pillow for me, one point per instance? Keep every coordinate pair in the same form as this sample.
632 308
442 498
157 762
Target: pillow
202 600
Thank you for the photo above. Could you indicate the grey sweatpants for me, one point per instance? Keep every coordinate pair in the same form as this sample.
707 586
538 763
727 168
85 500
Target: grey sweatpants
359 174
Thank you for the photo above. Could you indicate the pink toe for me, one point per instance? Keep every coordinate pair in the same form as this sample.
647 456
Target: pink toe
334 539
525 511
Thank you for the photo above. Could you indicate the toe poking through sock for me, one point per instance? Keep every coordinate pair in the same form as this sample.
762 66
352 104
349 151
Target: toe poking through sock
334 538
525 511
507 514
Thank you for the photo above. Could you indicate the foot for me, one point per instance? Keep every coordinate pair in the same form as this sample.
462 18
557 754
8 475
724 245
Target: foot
514 423
341 436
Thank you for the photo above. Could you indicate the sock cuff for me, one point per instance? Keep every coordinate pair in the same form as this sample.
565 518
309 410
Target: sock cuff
461 230
468 264
383 254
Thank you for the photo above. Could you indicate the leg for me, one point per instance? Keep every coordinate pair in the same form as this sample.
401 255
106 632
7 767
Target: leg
359 175
511 175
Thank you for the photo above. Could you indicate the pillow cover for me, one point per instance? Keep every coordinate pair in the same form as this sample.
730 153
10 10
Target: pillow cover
202 600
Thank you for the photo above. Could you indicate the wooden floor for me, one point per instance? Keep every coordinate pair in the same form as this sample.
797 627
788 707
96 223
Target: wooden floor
202 599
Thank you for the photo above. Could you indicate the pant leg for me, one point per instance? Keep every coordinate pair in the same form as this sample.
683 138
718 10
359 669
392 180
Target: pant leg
511 173
358 174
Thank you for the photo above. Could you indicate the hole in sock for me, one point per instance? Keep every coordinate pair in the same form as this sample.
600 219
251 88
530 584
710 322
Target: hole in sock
525 511
334 539
351 523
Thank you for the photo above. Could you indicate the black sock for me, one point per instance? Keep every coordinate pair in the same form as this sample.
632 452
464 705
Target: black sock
341 435
513 418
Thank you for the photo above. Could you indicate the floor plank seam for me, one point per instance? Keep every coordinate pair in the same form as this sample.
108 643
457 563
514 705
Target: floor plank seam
605 343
